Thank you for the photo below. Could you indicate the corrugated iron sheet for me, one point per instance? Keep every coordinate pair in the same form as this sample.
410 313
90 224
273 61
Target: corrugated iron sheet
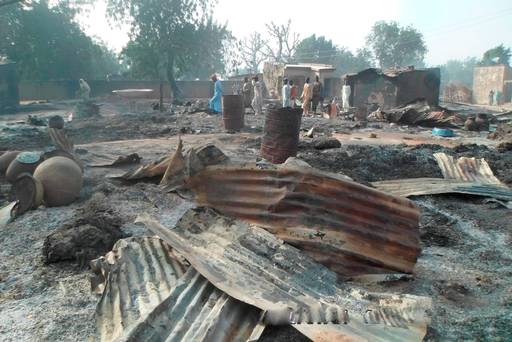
350 228
149 296
466 169
464 175
257 268
433 186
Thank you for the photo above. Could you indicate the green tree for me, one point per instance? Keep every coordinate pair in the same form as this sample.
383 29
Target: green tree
458 71
395 46
46 43
171 35
497 55
315 49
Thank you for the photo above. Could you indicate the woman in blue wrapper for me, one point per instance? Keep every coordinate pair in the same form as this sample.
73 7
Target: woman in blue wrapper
215 103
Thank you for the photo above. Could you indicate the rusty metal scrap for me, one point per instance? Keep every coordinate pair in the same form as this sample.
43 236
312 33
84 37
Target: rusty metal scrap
254 266
350 228
465 175
435 186
466 169
194 159
149 295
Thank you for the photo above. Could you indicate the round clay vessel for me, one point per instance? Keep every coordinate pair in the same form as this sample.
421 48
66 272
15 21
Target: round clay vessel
52 151
25 162
482 122
56 121
62 181
6 158
470 124
29 193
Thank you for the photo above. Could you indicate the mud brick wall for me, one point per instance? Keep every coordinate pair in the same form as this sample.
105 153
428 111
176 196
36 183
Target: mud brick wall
68 89
487 78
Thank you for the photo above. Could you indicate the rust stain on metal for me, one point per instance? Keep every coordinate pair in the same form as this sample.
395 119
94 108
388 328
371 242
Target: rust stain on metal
254 266
281 134
148 294
350 228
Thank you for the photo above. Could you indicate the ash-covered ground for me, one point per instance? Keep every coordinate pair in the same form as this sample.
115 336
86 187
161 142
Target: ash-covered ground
466 260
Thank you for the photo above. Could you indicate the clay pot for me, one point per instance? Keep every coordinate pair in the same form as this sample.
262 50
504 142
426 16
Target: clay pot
25 162
56 121
29 193
470 125
6 159
482 122
52 151
62 180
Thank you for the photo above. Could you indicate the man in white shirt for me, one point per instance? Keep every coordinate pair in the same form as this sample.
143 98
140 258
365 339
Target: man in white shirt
286 93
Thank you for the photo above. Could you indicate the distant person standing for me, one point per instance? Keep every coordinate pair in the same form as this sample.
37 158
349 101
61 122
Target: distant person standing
246 92
317 94
293 93
257 101
345 96
491 97
215 103
286 93
307 95
85 90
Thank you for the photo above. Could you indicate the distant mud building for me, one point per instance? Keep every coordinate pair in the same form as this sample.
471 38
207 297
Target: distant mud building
492 78
373 88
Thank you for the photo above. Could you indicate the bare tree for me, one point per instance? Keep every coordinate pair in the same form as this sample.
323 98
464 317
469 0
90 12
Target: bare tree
283 42
252 51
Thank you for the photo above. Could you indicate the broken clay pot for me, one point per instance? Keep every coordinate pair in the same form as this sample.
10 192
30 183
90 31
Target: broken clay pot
25 162
29 193
62 180
6 159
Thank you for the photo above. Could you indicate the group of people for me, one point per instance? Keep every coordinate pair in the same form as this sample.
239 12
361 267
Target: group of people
311 95
495 97
252 92
254 87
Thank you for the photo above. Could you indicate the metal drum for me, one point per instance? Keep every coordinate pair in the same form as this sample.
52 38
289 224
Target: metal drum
281 134
233 112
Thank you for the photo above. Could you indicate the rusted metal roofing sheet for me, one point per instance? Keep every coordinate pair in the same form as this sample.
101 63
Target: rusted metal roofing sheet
433 186
466 169
350 228
150 296
464 175
257 268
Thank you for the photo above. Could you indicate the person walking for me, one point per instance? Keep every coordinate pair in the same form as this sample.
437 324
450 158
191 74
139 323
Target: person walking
286 93
293 94
345 96
491 97
246 92
257 101
215 103
307 95
317 94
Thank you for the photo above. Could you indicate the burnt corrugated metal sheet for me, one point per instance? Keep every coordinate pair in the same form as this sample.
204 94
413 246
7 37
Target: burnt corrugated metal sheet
433 186
465 175
255 267
149 296
466 169
350 228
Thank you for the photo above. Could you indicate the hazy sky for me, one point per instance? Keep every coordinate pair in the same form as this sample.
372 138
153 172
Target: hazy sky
452 28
